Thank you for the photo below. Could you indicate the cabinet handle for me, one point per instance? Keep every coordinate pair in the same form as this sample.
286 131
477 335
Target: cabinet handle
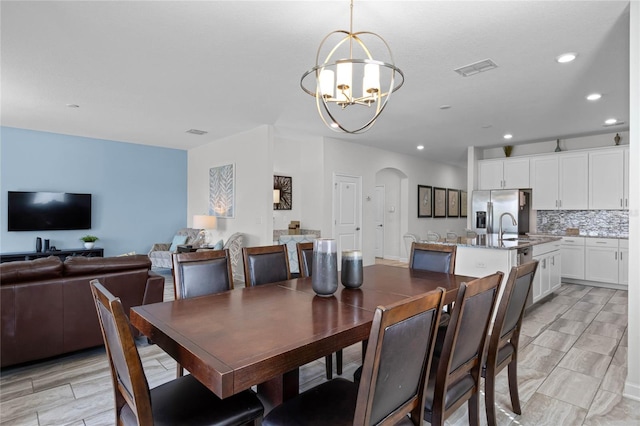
616 257
560 203
570 241
621 205
620 255
556 203
626 202
601 242
553 261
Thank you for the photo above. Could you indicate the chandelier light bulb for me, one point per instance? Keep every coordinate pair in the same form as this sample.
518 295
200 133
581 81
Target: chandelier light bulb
326 83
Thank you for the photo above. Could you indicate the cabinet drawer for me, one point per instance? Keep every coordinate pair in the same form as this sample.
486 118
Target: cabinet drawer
602 242
545 248
573 241
623 243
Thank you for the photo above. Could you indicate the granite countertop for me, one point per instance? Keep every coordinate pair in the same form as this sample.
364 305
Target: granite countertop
509 242
591 234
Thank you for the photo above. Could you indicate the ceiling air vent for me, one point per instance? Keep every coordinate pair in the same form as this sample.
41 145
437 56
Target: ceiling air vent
197 132
475 68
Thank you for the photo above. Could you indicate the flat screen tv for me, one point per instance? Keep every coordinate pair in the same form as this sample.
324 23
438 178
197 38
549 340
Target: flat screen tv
48 211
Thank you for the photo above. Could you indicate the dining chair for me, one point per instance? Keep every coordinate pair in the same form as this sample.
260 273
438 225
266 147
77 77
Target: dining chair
305 258
265 264
305 261
505 335
397 363
459 353
199 274
181 401
433 257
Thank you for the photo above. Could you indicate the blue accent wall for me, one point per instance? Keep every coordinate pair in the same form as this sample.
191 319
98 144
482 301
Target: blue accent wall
139 192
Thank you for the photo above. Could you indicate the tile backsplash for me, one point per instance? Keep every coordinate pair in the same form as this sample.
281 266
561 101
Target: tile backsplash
604 223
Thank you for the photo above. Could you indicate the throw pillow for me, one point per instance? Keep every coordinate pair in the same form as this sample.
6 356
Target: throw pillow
177 240
218 245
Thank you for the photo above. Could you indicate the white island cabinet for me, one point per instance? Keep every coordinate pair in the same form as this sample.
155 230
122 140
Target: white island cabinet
548 275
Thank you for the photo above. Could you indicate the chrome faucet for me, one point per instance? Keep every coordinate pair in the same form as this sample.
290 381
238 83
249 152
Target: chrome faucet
500 231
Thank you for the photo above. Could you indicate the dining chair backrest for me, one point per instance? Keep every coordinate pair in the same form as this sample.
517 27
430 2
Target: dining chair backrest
505 336
433 257
266 264
398 359
201 273
305 258
129 382
455 378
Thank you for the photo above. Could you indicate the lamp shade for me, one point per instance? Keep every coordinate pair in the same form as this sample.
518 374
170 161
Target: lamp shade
203 221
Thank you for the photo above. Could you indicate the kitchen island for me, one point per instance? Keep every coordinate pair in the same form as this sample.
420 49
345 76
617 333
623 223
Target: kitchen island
487 254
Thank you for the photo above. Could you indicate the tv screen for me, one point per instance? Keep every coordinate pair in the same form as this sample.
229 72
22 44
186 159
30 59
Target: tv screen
48 211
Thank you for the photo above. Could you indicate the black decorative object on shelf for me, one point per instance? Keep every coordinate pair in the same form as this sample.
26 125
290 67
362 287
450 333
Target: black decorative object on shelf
558 145
616 139
38 244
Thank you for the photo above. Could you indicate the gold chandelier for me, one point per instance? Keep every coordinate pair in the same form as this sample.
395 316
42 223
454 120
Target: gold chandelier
337 82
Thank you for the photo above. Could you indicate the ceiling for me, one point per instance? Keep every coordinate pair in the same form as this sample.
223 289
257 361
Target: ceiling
145 72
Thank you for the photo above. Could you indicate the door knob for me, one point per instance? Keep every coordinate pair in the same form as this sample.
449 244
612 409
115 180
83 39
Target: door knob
358 228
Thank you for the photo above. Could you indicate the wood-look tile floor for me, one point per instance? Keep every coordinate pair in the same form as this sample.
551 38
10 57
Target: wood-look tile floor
572 368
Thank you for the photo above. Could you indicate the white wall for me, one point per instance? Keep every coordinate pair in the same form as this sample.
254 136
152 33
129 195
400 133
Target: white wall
632 385
252 154
360 160
300 157
549 147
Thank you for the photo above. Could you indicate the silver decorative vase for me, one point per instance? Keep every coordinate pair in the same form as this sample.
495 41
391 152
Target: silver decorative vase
324 279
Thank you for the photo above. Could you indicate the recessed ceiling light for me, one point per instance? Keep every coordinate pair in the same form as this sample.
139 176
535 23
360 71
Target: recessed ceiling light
594 96
73 106
420 146
487 126
445 106
610 121
566 57
508 136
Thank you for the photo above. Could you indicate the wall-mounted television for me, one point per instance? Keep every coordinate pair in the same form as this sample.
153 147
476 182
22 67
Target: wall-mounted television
48 211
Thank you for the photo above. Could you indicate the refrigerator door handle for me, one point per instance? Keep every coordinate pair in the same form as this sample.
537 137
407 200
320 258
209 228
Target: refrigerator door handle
489 217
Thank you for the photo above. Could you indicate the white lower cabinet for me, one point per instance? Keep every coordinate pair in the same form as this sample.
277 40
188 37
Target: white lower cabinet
572 250
623 262
602 260
548 275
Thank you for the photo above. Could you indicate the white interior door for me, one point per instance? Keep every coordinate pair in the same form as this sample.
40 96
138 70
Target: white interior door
379 221
347 213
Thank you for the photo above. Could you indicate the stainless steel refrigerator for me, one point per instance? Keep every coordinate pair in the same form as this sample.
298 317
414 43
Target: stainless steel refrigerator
488 206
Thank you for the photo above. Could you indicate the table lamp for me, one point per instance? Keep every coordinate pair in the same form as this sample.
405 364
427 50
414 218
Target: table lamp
205 222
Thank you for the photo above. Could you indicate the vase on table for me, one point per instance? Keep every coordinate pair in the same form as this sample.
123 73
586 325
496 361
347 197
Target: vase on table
89 245
351 271
324 279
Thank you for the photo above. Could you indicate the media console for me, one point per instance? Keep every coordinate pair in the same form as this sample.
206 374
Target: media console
62 254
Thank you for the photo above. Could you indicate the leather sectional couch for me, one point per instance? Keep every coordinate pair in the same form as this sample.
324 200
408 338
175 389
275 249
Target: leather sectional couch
47 308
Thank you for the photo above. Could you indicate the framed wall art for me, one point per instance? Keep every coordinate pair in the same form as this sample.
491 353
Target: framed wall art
222 191
453 203
439 202
463 203
283 185
425 201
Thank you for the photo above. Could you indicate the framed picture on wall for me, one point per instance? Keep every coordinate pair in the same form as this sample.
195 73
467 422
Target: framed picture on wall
453 203
439 202
425 202
463 203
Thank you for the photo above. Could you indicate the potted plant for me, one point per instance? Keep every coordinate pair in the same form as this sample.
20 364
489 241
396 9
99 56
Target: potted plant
89 241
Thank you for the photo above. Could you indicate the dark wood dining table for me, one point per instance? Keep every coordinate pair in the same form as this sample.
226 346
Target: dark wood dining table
261 335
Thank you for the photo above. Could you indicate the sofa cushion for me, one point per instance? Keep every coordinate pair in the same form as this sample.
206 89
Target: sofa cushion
177 240
30 270
81 265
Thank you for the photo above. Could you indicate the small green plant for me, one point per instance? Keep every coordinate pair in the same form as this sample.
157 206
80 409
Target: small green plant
89 238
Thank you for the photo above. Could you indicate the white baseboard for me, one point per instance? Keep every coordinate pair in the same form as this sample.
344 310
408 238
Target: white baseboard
631 391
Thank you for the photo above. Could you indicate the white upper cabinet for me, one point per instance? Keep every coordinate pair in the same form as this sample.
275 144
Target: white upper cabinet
626 178
503 174
606 177
560 182
544 182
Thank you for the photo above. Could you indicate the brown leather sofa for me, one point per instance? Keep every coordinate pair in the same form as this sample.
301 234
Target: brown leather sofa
46 304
